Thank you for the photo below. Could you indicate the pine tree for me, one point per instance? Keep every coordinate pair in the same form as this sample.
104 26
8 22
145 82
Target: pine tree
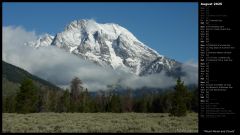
76 88
76 95
53 101
115 104
179 107
87 102
40 103
127 101
140 104
27 97
166 101
64 102
99 102
9 103
46 101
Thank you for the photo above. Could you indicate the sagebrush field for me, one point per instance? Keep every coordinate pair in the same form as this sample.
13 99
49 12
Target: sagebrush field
98 122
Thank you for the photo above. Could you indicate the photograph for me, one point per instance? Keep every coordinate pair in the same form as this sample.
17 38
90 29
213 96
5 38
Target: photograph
100 67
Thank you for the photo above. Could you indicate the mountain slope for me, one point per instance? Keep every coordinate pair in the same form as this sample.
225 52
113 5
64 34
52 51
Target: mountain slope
109 45
12 76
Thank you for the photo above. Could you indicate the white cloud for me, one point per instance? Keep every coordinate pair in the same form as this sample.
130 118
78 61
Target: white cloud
59 67
191 70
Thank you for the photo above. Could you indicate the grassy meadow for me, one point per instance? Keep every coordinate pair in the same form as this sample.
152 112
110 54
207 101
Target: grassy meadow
98 122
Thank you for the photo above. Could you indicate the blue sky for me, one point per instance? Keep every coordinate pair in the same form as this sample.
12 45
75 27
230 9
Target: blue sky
169 28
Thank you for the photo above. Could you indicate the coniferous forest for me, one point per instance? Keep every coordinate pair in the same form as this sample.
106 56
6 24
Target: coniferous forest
32 99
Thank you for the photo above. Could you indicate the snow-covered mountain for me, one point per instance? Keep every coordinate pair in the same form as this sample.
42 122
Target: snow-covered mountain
109 45
44 40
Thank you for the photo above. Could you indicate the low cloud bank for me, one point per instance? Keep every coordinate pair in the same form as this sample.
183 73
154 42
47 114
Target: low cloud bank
59 67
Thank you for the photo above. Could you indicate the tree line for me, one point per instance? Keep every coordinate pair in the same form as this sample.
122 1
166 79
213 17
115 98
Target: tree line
31 99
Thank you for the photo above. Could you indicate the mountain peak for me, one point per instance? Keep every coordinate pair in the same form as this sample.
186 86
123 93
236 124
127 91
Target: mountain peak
81 24
42 41
108 44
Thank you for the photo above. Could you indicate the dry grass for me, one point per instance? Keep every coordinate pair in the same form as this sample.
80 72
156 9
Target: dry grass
98 122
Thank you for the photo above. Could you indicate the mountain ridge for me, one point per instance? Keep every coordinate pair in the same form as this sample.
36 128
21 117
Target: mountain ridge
108 44
17 75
